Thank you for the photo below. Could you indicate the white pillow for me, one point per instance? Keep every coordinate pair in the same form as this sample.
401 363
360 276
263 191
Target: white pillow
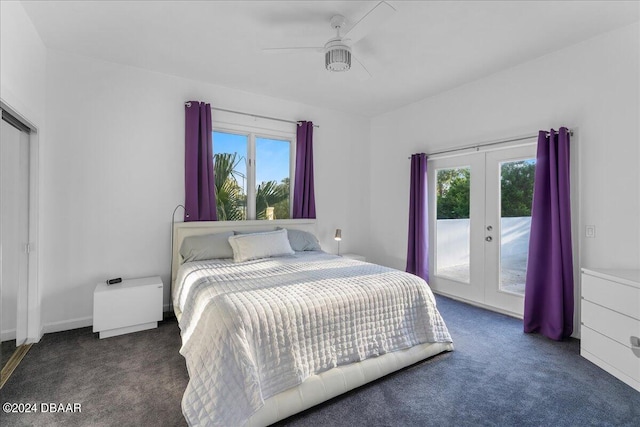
260 245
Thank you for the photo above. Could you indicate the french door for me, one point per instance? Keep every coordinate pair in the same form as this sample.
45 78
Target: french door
480 217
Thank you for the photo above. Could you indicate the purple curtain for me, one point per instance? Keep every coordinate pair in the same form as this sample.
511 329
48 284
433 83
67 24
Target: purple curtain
304 199
200 187
418 246
548 301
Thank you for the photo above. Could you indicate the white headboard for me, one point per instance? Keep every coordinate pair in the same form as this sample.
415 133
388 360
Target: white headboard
197 228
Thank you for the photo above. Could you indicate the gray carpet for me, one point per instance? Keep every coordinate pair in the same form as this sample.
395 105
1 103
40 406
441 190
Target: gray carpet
497 376
130 380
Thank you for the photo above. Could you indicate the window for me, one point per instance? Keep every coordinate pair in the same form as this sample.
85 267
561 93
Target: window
253 173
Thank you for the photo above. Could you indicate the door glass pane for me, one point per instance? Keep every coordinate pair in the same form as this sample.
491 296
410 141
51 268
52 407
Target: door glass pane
453 227
272 178
516 195
230 166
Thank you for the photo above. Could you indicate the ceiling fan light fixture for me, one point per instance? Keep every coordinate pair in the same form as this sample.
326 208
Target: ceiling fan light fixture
337 57
337 51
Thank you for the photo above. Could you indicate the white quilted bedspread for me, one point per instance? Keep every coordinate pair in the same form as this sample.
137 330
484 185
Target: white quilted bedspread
254 329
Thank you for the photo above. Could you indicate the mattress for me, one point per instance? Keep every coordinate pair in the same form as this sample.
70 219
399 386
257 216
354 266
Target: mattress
254 330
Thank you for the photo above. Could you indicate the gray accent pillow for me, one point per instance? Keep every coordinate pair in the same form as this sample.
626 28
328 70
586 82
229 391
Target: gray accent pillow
302 240
207 246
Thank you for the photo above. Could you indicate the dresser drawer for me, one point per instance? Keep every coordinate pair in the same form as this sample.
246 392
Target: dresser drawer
614 325
616 355
616 296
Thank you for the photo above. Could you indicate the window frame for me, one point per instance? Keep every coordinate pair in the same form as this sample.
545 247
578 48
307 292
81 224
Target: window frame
252 133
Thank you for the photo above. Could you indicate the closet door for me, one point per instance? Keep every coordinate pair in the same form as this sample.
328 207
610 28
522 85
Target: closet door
14 229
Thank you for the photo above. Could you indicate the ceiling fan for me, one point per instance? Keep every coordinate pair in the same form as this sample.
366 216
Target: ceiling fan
337 50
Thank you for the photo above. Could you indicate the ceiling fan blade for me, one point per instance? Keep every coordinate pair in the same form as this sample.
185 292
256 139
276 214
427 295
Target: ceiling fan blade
360 70
279 50
370 21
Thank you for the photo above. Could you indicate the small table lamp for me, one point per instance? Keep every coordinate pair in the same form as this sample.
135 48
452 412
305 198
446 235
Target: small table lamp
338 237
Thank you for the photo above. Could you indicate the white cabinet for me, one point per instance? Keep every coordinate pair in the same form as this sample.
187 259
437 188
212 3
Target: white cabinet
129 306
354 256
610 334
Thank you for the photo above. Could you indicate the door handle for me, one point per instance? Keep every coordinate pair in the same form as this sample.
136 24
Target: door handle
488 238
489 228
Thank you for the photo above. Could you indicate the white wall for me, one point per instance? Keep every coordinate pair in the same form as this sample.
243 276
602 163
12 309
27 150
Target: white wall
22 63
113 171
592 87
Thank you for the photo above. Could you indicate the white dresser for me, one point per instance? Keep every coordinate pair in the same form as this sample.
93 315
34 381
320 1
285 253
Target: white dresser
610 334
129 306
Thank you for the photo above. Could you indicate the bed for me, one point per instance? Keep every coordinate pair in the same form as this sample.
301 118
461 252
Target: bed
267 337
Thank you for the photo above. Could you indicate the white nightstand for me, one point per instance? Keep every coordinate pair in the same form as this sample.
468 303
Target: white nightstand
129 306
354 256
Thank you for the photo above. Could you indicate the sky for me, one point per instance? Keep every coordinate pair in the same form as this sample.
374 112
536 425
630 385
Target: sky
272 155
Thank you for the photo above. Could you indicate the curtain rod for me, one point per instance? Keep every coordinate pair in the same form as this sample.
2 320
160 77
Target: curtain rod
188 104
487 144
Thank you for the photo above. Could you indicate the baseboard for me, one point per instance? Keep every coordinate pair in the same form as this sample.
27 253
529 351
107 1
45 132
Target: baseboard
576 328
8 335
82 322
478 304
65 325
33 340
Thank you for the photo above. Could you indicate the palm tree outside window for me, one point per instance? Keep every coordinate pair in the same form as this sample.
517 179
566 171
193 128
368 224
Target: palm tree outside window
252 175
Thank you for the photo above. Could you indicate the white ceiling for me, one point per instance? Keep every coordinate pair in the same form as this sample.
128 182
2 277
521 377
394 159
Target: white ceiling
426 47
